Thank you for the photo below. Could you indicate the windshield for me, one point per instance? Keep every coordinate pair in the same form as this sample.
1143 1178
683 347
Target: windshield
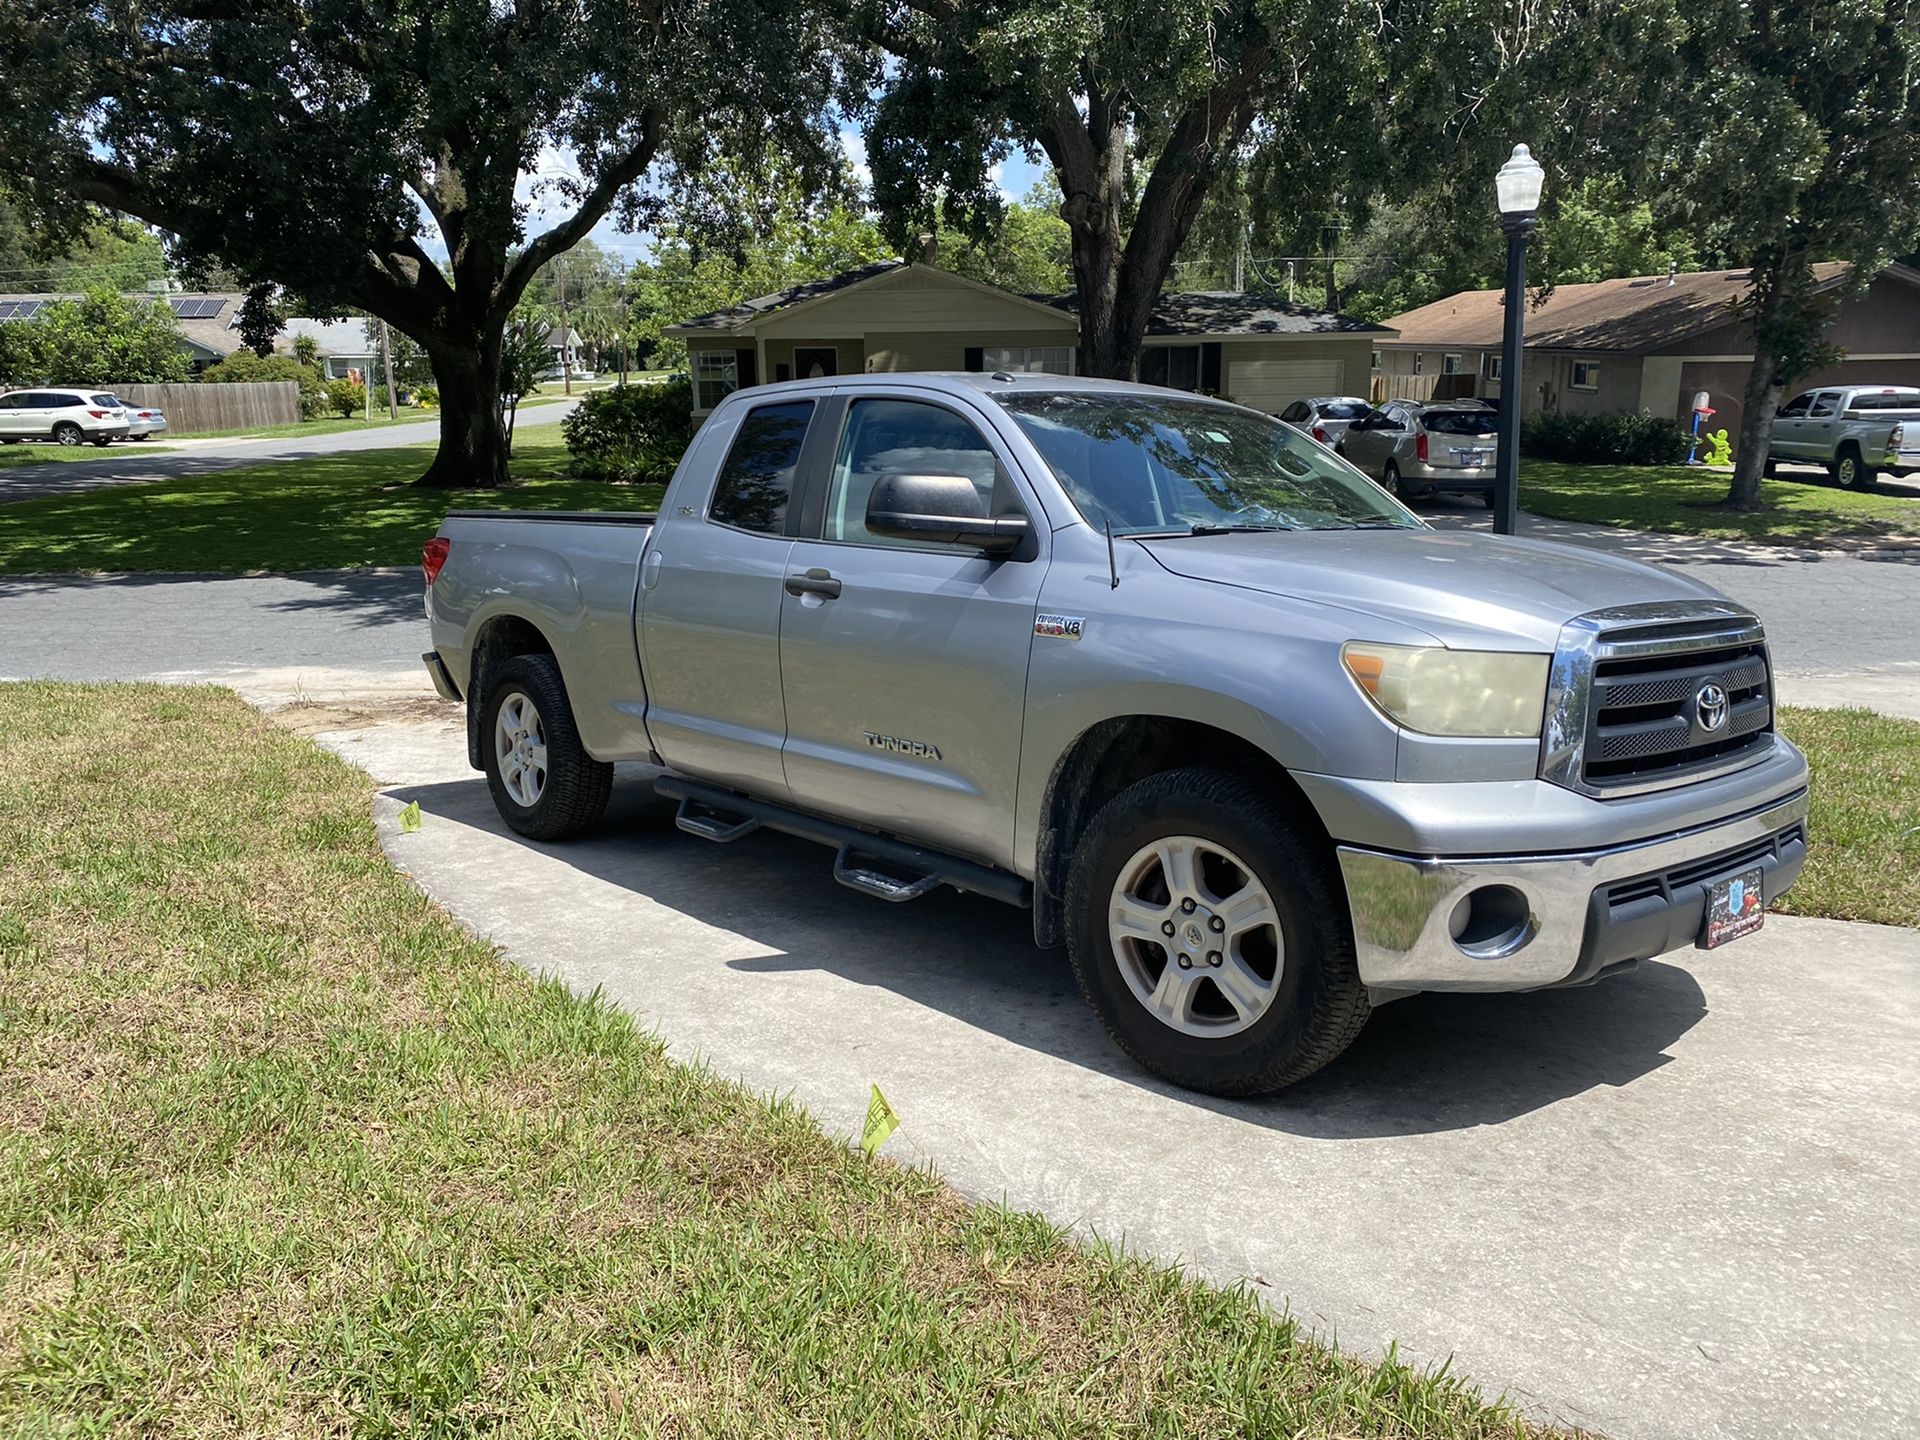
1150 466
1460 422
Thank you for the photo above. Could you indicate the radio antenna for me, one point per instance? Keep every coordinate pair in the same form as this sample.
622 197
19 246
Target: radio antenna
1113 570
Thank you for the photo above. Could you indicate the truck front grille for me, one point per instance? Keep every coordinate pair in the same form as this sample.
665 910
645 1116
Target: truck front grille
1646 697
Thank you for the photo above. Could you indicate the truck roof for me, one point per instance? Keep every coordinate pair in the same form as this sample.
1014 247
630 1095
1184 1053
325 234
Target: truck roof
954 382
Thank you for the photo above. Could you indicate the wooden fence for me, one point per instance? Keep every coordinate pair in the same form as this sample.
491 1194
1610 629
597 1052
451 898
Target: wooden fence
195 408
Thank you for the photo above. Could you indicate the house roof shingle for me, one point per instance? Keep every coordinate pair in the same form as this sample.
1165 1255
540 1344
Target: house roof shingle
1634 315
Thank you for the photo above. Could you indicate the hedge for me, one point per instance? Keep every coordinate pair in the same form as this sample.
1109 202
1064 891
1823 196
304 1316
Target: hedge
1621 438
632 432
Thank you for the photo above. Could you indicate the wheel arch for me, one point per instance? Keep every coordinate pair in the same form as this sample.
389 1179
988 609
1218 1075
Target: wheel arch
500 637
1112 754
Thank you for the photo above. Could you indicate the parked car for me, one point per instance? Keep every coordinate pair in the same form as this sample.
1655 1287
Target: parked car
66 417
1326 417
1415 450
1856 431
1258 745
143 423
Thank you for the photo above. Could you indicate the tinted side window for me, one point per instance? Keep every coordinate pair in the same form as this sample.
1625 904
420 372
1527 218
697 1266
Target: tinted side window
1295 413
1795 407
900 437
756 482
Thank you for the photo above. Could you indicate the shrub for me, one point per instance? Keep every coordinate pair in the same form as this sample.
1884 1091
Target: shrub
346 397
426 396
632 432
1621 438
244 367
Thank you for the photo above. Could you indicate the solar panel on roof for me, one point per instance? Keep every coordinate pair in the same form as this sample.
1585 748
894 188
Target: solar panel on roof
178 306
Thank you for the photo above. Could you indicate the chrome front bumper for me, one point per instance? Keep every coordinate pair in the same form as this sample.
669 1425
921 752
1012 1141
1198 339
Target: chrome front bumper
1572 916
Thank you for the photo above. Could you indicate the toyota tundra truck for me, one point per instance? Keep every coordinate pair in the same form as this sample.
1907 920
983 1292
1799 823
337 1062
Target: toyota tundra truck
1856 431
1258 746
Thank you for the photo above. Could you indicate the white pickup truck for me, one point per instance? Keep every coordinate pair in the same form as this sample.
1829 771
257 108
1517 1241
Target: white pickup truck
1856 431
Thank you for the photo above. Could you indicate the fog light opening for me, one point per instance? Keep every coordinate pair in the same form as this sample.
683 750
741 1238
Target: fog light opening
1492 922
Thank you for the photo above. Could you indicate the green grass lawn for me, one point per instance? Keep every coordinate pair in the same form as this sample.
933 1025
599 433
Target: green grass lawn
331 425
1679 500
284 1151
33 454
328 513
1864 860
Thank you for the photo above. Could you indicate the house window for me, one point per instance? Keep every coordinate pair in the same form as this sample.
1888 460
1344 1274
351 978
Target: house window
1452 363
1493 365
1028 359
1175 366
1419 361
1586 375
1376 362
716 375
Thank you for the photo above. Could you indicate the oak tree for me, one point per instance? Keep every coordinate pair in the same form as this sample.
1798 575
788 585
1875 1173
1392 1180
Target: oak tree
377 155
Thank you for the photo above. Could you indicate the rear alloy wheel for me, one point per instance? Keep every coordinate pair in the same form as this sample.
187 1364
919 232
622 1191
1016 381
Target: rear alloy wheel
68 433
1390 481
1850 472
1211 936
545 785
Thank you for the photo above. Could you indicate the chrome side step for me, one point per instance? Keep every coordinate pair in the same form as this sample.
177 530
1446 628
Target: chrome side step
877 865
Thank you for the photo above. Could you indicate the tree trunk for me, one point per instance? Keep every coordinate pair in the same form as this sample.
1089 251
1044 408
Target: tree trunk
1763 390
1756 430
473 436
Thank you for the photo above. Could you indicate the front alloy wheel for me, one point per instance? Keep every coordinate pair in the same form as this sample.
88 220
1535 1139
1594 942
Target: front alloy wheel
1196 936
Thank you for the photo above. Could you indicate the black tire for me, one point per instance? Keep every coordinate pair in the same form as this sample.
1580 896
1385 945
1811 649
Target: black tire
103 441
1390 481
1487 498
68 433
1851 472
1318 1004
574 793
1770 468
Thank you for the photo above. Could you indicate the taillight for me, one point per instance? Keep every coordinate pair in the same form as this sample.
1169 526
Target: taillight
1320 433
98 414
1420 447
433 555
1897 440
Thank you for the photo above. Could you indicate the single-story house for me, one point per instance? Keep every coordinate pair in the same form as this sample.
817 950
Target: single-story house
209 329
896 315
563 348
1645 343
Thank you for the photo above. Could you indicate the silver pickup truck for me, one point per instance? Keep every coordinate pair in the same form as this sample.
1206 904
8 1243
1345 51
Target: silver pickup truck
1856 431
1259 746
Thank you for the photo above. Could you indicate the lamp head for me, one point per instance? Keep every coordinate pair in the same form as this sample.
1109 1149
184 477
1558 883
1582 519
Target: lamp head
1518 183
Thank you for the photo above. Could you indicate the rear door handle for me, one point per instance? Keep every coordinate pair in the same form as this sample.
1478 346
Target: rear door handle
814 582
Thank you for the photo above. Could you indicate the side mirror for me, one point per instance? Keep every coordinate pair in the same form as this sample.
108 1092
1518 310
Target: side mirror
941 510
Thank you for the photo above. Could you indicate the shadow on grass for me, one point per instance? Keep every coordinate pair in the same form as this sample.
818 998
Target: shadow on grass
330 511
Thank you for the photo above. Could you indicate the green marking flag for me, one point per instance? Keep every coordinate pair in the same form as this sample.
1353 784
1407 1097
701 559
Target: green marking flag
410 817
881 1122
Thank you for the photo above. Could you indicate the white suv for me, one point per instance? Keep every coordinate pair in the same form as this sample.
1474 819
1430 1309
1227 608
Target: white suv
67 417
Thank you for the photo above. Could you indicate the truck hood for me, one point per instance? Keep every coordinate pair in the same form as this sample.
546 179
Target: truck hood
1465 590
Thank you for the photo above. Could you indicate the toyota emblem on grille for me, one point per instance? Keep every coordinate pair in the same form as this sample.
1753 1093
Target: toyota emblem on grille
1710 707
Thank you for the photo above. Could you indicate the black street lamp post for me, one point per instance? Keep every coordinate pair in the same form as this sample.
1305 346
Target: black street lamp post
1518 187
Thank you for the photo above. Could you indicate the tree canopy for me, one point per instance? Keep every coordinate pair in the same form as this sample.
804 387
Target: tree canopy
372 156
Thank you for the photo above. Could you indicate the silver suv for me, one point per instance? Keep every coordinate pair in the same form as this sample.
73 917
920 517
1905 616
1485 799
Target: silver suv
1414 450
66 417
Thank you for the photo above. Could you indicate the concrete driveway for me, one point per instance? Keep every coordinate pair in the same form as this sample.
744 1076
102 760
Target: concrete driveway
1674 1205
133 465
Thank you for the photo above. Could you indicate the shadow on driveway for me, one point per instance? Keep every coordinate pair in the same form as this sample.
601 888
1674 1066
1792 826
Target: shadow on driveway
1427 1064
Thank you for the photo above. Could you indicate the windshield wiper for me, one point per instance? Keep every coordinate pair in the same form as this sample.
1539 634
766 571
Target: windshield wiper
1233 529
1366 525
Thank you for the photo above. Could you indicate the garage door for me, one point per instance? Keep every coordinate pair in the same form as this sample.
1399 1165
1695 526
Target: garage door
1272 385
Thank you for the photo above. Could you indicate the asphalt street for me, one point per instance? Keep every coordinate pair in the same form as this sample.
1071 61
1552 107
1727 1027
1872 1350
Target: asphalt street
131 464
1676 1204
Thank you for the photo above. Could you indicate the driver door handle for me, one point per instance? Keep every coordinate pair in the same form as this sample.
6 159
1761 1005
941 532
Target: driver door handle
814 582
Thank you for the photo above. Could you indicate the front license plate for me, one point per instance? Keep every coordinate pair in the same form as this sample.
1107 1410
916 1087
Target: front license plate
1735 907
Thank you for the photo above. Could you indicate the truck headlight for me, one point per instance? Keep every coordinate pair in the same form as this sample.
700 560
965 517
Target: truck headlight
1437 691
